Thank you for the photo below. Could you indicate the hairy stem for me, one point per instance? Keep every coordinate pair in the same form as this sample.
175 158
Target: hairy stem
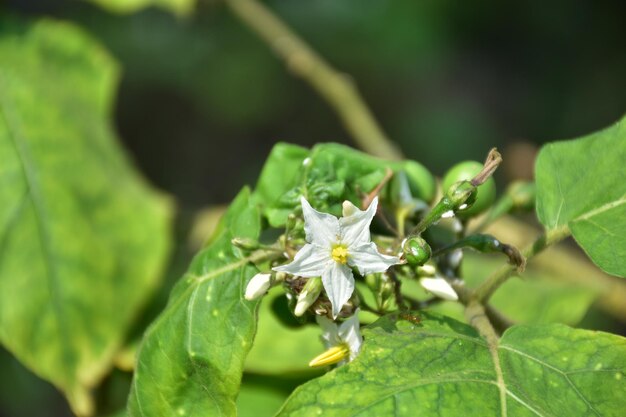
303 61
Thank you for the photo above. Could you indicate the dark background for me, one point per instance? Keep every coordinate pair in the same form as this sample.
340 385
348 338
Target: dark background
202 100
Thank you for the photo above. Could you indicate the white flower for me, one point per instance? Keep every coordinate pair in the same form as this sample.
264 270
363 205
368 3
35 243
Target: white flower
258 286
334 246
342 342
440 287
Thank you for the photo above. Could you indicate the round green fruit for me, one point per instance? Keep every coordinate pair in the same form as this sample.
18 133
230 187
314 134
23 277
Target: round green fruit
416 251
486 193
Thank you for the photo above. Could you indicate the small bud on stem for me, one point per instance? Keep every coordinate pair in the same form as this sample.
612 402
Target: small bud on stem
308 295
258 286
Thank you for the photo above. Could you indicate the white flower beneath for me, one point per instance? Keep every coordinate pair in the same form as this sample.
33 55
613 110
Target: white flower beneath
334 247
440 287
258 286
343 342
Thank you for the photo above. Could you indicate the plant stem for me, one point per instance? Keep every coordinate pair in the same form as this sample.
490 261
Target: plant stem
338 90
498 320
499 277
477 316
397 290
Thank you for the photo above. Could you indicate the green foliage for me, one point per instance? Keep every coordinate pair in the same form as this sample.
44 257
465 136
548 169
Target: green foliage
280 174
258 401
191 358
82 237
296 347
540 297
178 7
83 240
441 367
331 174
582 184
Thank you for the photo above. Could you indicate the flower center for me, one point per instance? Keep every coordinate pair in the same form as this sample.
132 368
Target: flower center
340 254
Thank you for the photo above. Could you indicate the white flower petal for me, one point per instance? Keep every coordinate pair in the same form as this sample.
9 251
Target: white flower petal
455 257
349 332
310 261
330 333
439 287
339 285
355 226
258 286
368 260
321 229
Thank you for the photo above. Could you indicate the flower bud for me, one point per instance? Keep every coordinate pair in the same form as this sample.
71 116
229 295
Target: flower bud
280 277
308 295
348 209
439 287
258 286
373 282
427 270
245 243
416 251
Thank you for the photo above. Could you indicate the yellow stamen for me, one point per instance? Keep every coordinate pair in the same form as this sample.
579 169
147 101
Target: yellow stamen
333 355
340 254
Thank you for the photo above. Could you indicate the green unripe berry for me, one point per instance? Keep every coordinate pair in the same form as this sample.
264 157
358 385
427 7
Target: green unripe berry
416 251
486 193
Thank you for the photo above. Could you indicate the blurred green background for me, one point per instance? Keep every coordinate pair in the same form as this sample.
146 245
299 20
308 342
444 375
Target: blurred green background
202 100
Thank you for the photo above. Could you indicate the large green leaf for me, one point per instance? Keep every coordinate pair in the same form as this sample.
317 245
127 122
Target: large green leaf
178 7
191 359
582 184
441 367
82 237
278 348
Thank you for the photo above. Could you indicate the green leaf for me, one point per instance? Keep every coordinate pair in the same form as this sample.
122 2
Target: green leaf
279 349
441 367
333 173
191 358
178 7
582 184
82 237
259 400
357 168
280 174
